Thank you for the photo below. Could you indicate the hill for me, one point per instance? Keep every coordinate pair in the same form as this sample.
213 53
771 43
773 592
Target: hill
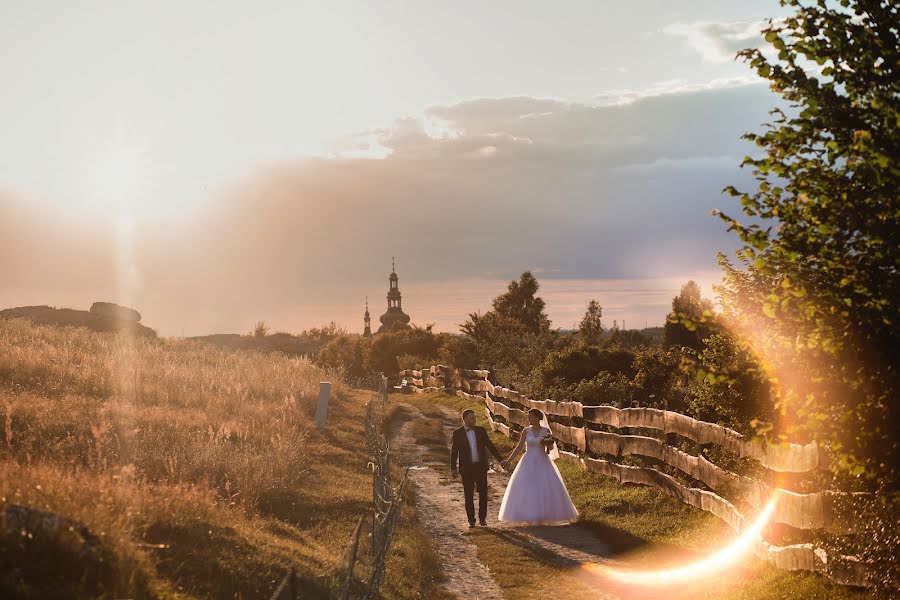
290 345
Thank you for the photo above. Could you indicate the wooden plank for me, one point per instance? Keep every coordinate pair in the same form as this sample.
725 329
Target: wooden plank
475 373
804 511
559 409
847 570
790 458
512 415
477 385
518 417
496 425
574 436
500 409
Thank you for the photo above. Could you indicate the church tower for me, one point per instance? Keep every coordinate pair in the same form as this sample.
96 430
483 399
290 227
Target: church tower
394 315
367 332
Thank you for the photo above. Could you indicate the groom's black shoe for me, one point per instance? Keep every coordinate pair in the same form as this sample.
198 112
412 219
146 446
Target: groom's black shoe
471 524
483 523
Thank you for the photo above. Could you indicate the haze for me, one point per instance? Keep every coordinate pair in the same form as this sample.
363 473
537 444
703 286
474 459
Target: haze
216 164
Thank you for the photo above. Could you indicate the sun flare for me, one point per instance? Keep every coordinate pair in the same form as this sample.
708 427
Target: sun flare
728 556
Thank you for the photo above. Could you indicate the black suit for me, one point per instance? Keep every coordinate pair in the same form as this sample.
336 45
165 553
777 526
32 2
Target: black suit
473 473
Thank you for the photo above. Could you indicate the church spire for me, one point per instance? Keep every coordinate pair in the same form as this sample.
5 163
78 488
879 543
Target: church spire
368 320
394 316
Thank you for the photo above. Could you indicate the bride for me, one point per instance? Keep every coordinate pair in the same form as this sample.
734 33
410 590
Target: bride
536 494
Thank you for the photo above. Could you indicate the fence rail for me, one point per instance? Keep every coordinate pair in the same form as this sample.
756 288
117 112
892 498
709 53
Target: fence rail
506 410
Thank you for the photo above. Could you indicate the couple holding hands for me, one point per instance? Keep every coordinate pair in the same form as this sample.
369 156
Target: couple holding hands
535 494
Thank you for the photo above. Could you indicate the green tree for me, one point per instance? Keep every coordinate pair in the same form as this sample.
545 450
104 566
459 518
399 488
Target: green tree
689 321
821 285
816 290
591 327
504 345
510 340
520 302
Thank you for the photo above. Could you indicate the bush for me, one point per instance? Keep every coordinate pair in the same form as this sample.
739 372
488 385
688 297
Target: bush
387 346
347 353
580 362
604 388
729 387
658 377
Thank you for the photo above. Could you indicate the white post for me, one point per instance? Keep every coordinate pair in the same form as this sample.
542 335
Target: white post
322 408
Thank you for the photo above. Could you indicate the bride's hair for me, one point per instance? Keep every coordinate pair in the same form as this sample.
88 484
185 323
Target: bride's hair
534 412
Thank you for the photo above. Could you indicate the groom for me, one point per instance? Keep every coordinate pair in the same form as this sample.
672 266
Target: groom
470 443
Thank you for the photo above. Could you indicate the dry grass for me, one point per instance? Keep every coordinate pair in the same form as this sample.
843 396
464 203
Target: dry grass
206 452
165 411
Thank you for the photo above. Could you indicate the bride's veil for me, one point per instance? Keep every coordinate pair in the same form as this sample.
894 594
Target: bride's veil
554 451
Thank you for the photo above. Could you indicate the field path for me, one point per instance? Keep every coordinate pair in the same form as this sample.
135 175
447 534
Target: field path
440 510
439 501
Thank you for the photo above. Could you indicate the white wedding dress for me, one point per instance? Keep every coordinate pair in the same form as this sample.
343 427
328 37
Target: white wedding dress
536 494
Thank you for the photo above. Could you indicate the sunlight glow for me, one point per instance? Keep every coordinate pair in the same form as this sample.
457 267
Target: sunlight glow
116 176
710 565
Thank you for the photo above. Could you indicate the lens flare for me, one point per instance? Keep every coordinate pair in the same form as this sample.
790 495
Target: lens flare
711 564
116 176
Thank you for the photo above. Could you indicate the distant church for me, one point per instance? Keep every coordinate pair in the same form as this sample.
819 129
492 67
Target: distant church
394 316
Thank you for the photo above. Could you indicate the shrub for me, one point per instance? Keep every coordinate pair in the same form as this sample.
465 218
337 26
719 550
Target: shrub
348 353
388 345
580 362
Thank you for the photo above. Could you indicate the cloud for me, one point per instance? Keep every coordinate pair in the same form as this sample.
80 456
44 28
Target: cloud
618 127
719 42
599 190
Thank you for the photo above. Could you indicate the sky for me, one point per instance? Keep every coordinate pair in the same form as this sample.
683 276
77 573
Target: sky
216 164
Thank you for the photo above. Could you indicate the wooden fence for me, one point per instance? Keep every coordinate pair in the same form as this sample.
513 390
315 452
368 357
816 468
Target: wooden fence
506 411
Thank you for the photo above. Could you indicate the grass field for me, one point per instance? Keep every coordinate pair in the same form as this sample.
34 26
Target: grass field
643 527
196 469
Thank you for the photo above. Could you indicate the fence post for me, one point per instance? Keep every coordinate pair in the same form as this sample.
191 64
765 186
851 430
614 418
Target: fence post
322 408
351 562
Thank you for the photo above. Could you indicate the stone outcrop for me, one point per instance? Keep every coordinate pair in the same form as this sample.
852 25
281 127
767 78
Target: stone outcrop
124 319
111 310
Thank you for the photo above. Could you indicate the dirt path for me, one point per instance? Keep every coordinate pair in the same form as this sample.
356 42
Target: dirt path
439 507
439 502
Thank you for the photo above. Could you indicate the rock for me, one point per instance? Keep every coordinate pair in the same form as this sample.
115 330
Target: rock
47 527
115 311
67 317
